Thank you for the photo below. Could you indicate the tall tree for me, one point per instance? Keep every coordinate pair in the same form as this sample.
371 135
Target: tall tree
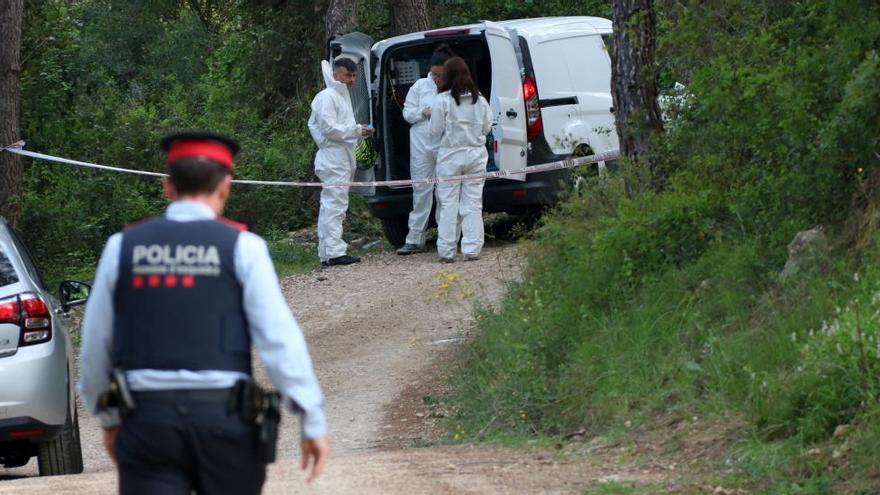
340 17
408 16
10 108
634 83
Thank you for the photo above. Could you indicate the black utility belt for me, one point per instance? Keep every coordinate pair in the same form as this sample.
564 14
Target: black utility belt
218 395
256 406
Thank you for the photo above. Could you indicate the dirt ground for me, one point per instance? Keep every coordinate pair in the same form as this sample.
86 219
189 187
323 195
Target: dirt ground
381 333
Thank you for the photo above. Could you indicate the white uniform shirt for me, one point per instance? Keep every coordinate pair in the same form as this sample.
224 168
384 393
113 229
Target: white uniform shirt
275 334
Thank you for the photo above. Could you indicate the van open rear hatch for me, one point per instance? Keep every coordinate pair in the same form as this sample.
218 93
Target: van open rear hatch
404 64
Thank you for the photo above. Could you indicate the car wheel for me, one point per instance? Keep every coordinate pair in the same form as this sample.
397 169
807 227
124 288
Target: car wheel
395 229
62 454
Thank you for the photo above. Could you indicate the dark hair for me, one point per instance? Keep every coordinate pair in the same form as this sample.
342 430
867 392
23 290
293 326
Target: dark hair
457 80
196 175
346 63
441 54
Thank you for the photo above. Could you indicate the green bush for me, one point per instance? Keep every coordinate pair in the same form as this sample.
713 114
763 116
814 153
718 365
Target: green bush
103 80
634 306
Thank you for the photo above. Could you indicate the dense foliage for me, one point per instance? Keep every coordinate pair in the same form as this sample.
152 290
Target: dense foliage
632 305
104 79
657 303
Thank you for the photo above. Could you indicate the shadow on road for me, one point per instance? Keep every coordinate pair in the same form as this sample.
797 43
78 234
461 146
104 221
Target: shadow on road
10 477
502 228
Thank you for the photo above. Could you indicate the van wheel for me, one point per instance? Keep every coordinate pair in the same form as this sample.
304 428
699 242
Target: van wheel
62 454
395 229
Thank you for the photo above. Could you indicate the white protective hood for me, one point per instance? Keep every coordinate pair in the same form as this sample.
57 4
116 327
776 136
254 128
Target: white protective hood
327 73
342 89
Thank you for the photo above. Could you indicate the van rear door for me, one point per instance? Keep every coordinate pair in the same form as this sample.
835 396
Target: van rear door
509 128
357 46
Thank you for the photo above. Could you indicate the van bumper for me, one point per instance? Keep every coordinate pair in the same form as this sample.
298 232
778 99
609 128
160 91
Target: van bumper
499 195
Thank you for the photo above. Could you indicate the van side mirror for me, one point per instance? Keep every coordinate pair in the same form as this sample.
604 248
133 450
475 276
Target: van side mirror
73 293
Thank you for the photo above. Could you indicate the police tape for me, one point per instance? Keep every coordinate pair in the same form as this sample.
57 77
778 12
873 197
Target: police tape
18 149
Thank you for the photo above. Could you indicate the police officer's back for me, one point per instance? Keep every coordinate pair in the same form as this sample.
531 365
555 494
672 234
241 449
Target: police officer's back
177 303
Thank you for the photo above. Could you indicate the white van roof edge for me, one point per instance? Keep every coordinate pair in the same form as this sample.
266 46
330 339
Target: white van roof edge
538 26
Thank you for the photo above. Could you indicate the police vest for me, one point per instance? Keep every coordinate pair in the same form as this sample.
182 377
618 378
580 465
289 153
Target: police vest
178 304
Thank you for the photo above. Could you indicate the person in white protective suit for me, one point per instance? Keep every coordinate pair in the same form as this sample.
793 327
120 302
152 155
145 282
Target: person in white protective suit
335 131
422 149
462 118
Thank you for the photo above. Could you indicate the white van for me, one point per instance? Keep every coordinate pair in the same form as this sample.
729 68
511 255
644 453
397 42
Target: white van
548 81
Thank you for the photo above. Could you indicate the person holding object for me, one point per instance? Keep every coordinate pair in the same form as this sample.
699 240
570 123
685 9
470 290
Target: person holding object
462 119
333 127
422 149
178 301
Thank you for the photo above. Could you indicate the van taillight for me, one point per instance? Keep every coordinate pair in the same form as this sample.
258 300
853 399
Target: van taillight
31 314
534 124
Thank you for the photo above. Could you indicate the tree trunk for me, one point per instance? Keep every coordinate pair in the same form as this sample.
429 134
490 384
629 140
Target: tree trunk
634 83
408 16
340 17
11 194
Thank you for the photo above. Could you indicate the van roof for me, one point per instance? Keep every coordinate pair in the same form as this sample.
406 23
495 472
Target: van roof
540 27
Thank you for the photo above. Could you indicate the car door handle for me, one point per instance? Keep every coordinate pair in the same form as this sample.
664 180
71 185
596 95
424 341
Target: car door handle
512 113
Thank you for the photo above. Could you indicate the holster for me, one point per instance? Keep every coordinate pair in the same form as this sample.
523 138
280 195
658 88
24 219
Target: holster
118 396
262 409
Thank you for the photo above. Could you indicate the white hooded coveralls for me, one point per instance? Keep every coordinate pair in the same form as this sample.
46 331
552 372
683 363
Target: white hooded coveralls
422 156
335 131
462 129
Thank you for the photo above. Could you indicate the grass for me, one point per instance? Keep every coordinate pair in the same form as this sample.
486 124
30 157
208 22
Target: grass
613 488
291 259
660 305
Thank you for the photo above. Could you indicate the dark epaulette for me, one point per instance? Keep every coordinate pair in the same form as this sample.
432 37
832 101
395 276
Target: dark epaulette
232 223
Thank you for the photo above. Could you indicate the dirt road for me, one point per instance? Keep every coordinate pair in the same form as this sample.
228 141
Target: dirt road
379 333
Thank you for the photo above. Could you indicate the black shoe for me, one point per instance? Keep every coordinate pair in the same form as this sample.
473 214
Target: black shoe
410 249
341 260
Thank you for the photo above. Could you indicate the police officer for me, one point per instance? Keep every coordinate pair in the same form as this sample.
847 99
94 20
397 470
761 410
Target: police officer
177 302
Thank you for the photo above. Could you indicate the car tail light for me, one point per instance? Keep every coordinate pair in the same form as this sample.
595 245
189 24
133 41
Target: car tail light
30 313
10 310
534 124
36 321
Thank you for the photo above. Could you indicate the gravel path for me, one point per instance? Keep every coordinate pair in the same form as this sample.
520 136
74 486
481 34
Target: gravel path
379 333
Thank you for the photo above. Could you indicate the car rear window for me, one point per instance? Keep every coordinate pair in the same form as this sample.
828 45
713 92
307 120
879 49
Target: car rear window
25 257
7 271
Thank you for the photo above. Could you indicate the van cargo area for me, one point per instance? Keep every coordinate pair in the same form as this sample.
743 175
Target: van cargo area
401 68
547 81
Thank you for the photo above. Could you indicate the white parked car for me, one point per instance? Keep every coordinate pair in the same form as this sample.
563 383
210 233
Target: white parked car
548 81
37 398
